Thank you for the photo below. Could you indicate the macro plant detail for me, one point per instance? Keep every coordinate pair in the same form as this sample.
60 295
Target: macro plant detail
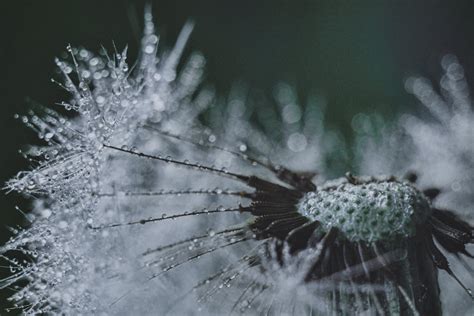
151 199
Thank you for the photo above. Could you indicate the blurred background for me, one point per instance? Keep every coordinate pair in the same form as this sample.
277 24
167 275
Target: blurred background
355 55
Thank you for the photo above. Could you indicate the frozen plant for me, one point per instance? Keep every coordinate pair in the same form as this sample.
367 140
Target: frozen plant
153 200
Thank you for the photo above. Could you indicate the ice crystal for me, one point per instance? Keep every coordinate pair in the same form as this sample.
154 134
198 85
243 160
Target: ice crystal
121 191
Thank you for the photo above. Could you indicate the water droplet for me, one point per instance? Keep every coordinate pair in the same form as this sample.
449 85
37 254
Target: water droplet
149 49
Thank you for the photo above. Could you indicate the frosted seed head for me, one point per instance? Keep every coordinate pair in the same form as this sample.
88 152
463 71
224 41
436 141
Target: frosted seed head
370 211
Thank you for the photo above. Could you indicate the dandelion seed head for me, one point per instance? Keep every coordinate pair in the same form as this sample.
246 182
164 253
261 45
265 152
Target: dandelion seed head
140 203
371 211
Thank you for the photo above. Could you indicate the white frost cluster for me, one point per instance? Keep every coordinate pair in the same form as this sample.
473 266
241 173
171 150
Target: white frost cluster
87 177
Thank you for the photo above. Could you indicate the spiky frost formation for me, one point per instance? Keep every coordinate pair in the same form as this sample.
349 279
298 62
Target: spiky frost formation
138 209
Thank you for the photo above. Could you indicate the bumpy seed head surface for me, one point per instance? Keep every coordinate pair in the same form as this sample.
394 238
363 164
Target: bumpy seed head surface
368 212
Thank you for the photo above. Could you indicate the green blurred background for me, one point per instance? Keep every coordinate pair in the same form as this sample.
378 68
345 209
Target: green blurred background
356 54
